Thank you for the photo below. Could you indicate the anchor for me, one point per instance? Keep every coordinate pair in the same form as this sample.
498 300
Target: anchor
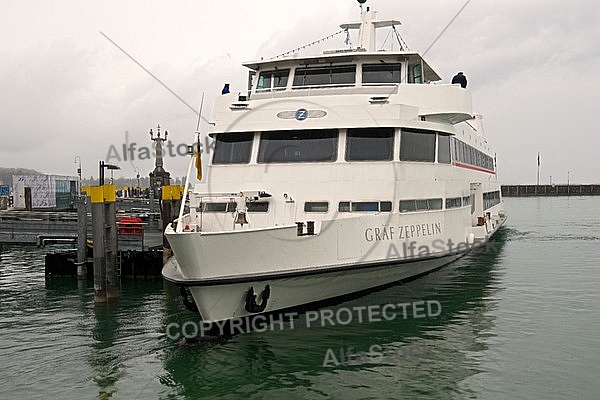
188 300
251 305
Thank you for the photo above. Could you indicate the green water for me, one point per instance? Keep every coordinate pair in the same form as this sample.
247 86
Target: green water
518 322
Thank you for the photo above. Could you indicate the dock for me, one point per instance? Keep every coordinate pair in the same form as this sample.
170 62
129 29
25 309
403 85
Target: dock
42 228
140 245
550 190
131 264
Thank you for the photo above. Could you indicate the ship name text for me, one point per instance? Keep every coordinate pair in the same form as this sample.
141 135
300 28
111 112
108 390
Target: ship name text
402 232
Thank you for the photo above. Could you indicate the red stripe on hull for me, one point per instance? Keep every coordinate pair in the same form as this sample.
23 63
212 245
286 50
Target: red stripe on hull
461 165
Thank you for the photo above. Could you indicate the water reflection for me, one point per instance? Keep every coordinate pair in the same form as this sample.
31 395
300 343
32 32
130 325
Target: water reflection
117 327
253 363
120 350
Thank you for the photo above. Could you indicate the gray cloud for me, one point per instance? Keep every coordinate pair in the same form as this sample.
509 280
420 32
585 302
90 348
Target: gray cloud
67 91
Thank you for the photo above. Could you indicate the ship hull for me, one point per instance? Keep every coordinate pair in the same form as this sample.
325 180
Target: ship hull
221 290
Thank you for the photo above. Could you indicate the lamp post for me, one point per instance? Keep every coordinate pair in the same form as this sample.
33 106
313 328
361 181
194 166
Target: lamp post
111 167
78 159
80 201
138 182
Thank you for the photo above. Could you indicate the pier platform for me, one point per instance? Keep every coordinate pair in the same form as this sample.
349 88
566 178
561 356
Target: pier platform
50 227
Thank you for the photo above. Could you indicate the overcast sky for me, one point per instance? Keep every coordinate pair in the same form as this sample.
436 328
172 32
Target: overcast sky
67 91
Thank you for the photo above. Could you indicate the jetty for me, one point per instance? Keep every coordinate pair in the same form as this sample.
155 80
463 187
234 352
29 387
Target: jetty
550 190
44 227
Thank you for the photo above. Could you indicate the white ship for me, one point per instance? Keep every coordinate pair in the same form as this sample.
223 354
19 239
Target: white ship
334 174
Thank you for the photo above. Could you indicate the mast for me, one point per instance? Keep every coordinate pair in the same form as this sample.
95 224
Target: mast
367 26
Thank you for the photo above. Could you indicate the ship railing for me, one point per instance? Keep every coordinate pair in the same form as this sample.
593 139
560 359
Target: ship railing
234 203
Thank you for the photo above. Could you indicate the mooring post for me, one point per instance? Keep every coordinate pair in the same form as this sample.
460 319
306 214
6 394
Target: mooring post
112 276
80 201
99 238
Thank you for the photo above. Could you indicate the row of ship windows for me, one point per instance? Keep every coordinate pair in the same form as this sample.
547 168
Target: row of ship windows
338 75
490 199
362 144
232 206
462 152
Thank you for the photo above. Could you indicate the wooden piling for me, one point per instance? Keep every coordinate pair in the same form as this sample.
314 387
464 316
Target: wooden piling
112 274
97 201
80 202
106 283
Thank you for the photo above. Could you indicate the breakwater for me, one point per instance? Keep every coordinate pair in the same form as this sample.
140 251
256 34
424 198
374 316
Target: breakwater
550 190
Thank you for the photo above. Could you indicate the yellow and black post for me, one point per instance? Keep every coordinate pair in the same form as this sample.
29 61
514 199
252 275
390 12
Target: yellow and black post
171 202
104 228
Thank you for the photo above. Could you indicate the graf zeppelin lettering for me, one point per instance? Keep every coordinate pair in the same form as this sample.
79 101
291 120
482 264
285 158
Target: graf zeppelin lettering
402 232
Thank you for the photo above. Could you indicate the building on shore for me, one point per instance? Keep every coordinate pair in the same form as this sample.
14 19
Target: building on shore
43 191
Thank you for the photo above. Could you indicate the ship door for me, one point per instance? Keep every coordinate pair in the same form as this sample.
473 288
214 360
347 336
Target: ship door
28 198
476 202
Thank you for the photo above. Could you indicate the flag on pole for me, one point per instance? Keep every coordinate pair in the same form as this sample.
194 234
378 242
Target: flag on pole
198 155
538 158
198 160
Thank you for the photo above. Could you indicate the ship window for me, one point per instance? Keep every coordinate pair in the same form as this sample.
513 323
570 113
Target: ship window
381 73
453 202
232 206
434 204
464 153
365 206
233 148
466 200
454 149
444 149
385 206
461 151
417 146
316 206
408 205
251 79
261 206
318 145
272 80
218 207
321 76
344 206
416 73
490 199
420 205
370 144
